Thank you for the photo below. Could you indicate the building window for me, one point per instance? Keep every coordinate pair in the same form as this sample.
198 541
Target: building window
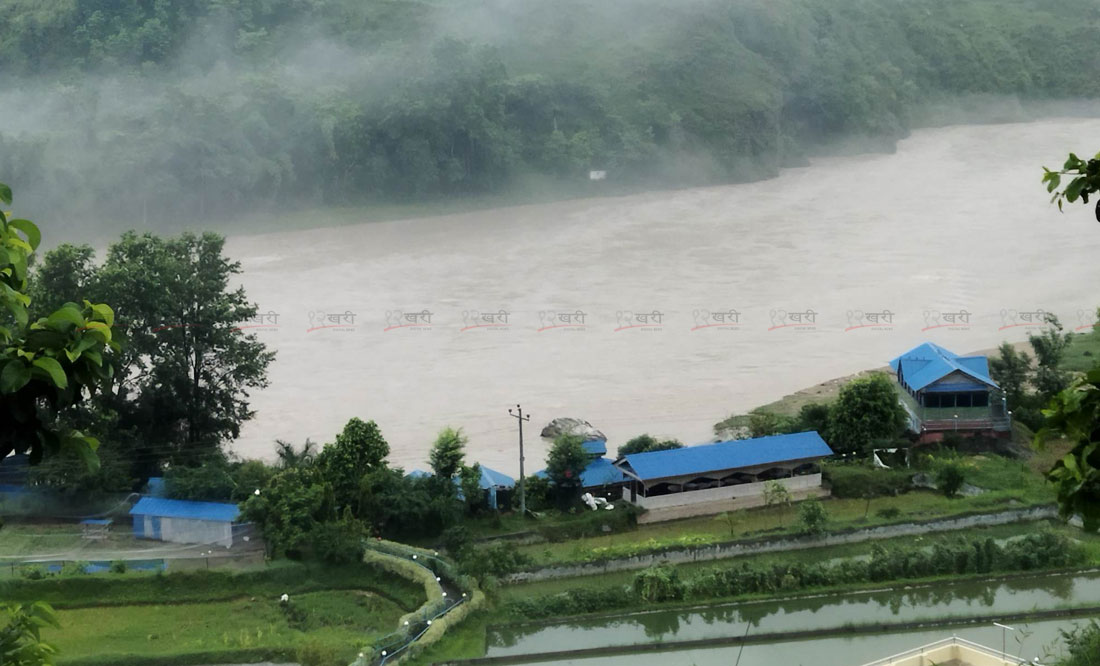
981 399
962 400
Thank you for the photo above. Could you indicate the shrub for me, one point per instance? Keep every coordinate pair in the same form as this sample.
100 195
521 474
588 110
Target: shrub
497 560
339 542
658 583
591 523
812 517
315 653
75 568
950 478
118 567
861 481
33 571
455 539
889 513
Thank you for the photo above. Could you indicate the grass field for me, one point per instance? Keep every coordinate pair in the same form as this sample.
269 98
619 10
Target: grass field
216 616
1084 351
342 619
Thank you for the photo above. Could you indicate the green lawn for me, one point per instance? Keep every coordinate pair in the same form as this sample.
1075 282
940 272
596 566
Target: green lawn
345 620
1084 351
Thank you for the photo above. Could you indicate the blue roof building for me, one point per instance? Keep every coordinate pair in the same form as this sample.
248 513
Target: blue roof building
697 480
491 482
942 391
184 521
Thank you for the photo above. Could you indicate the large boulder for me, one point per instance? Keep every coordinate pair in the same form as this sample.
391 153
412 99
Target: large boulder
570 426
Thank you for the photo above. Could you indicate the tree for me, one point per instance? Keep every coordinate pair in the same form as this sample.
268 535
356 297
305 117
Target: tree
291 457
645 443
183 377
1075 414
49 365
564 465
359 449
813 517
1011 370
866 413
813 416
1050 349
776 494
210 481
471 488
289 508
763 423
1085 181
448 453
21 641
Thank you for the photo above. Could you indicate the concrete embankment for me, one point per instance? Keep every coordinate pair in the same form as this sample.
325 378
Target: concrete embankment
727 549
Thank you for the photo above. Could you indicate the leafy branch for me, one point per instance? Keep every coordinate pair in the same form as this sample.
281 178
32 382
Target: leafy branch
1085 181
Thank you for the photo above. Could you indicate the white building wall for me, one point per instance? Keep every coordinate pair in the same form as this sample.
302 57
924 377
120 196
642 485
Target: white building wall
794 483
190 530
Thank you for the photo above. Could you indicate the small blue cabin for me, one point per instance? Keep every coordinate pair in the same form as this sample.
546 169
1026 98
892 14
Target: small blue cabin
183 521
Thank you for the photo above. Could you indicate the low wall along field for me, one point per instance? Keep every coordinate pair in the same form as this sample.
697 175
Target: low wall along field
716 500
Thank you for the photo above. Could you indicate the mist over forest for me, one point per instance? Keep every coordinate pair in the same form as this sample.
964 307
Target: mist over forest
145 112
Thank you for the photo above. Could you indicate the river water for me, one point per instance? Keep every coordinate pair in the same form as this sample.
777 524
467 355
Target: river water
956 600
955 221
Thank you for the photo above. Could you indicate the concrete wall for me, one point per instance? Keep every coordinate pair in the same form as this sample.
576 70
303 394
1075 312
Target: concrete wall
793 484
748 547
721 505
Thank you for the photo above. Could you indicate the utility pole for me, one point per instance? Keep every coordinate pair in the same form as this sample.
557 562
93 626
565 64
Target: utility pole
520 418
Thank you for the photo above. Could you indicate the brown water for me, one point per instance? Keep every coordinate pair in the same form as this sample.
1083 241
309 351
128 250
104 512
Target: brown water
955 220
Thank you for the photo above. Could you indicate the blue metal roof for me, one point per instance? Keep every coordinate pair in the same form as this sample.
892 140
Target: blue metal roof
726 455
171 508
595 447
599 472
490 478
928 363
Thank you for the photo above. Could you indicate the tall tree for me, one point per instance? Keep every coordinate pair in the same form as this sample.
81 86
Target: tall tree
448 453
359 449
564 465
1011 369
1050 349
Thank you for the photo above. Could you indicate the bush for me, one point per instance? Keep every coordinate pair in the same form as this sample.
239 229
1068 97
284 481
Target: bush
499 559
455 539
812 517
861 481
118 567
339 542
33 571
889 513
76 568
591 523
658 583
315 653
950 478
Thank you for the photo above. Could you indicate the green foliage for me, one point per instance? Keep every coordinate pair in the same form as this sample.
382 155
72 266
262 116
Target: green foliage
316 653
21 634
289 456
289 508
564 464
359 449
950 477
1082 645
762 424
339 541
867 413
209 481
862 481
1050 350
813 416
539 494
658 583
448 452
591 523
1012 372
1044 550
1085 181
812 517
400 507
456 539
775 493
645 443
472 494
498 559
74 568
50 364
1075 414
118 566
32 571
889 513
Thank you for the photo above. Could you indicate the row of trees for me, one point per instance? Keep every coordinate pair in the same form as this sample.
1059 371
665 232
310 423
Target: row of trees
1030 387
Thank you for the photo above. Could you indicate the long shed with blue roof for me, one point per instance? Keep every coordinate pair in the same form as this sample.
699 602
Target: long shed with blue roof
696 480
184 521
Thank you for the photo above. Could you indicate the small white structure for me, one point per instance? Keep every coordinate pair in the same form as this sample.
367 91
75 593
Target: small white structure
597 175
182 521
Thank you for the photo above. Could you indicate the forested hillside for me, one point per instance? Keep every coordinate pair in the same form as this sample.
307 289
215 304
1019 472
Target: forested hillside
152 109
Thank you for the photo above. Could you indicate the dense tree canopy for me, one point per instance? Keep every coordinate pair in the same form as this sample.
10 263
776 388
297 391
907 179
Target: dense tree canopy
867 413
209 108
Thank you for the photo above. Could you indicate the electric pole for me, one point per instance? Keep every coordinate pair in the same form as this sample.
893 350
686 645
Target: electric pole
520 418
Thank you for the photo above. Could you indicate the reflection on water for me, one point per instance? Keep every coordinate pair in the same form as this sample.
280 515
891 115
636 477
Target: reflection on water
942 600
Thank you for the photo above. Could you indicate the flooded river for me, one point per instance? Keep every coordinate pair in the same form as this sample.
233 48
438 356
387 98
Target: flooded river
955 600
614 306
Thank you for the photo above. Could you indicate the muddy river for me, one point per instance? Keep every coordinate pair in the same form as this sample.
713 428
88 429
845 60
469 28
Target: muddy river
665 312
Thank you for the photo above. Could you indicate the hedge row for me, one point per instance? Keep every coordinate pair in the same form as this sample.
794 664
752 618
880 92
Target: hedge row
662 583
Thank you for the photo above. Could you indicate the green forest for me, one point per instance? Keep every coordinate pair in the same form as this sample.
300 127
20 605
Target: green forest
153 110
